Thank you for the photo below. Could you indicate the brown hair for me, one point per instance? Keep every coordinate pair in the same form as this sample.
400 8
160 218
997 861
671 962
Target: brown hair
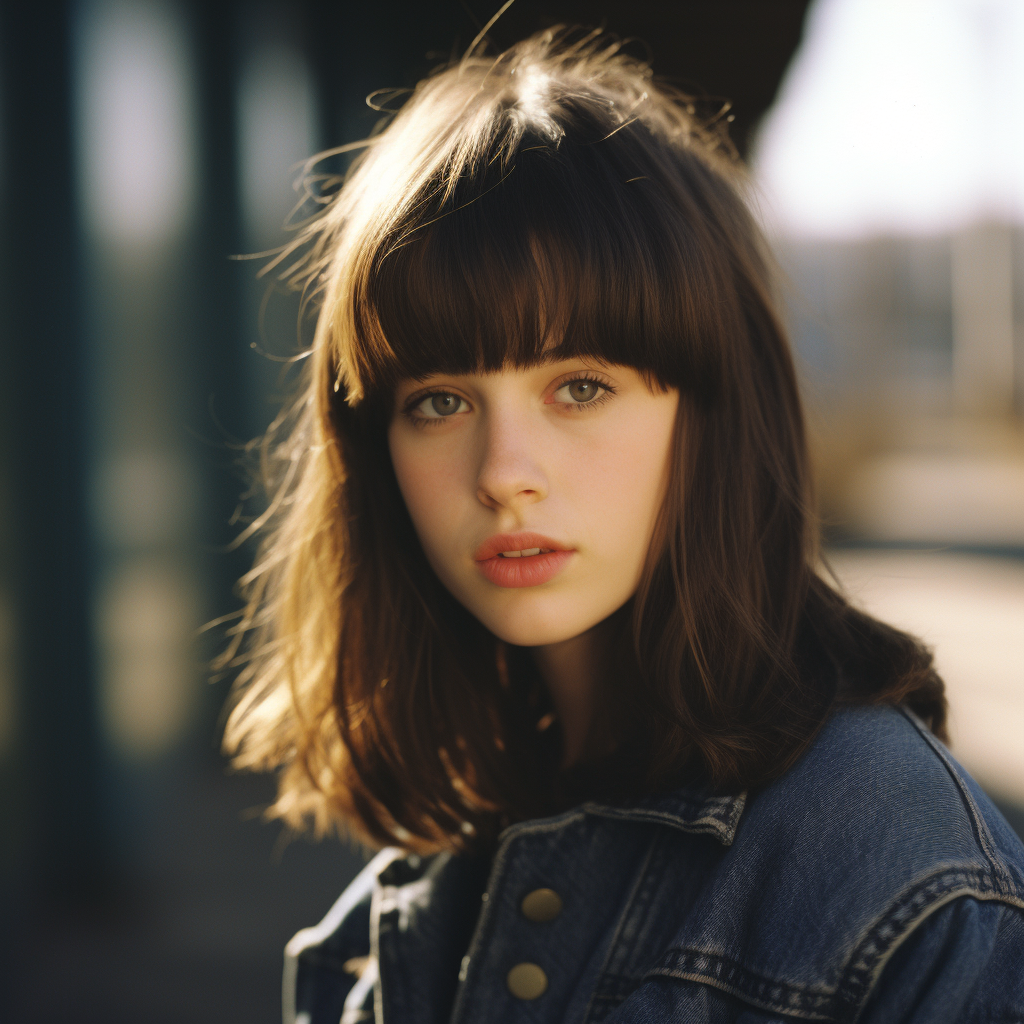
551 201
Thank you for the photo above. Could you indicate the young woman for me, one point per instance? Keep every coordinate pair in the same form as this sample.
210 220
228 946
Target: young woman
541 612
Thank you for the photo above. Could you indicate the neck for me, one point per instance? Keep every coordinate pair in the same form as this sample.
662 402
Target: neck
571 670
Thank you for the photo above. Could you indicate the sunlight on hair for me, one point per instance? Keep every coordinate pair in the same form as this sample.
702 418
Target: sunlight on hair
534 88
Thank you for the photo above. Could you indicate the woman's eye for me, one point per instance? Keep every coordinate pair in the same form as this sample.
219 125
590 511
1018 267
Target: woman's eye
579 392
440 405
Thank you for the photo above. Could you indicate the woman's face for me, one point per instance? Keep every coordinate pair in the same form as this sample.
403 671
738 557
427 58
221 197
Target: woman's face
535 492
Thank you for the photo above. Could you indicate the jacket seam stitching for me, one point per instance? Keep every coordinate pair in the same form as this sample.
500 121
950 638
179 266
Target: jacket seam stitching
722 830
897 923
548 825
604 972
884 960
744 984
981 832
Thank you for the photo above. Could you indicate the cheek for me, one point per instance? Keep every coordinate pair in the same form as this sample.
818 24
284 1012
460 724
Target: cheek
429 482
413 477
627 480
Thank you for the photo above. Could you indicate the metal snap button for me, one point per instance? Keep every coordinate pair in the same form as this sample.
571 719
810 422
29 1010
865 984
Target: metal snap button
541 905
526 981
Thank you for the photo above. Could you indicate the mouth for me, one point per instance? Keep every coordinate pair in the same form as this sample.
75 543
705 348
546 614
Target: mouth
514 560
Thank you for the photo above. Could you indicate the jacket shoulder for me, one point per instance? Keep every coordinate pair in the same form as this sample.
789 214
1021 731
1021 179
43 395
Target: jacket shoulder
876 788
876 825
841 860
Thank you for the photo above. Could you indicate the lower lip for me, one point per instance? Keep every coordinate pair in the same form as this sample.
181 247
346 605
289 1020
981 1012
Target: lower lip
528 571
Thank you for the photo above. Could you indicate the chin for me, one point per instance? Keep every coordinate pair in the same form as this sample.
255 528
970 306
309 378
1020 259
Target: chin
535 627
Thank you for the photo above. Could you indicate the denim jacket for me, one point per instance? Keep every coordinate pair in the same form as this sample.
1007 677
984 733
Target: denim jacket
873 882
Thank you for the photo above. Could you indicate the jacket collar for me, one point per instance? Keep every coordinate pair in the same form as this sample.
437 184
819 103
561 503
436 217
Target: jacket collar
689 808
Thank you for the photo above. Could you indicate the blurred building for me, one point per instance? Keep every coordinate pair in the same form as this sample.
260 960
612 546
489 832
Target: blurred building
890 173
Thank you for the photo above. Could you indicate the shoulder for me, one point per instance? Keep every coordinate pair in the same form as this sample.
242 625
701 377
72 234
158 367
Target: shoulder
856 850
877 789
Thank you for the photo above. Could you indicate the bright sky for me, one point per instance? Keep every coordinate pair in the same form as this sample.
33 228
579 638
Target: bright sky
898 116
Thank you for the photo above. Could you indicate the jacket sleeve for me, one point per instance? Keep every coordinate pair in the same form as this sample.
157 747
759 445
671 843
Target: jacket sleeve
964 964
328 967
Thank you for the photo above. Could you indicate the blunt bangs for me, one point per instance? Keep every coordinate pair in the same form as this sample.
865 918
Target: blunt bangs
578 247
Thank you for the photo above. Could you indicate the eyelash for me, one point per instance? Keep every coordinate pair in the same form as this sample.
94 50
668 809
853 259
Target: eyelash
572 378
428 421
417 400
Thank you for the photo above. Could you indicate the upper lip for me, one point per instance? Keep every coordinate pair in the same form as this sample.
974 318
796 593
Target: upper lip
515 542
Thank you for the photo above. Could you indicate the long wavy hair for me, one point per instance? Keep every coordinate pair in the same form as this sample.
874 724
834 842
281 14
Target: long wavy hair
552 201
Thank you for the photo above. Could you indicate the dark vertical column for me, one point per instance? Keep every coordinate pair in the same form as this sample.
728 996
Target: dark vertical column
326 27
44 370
219 342
355 49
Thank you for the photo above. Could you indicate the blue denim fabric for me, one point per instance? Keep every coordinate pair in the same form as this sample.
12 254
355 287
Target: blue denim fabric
873 883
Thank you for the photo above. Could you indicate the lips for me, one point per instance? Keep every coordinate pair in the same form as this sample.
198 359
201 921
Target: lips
521 570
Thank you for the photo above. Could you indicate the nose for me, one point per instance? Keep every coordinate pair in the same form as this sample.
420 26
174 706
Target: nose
510 473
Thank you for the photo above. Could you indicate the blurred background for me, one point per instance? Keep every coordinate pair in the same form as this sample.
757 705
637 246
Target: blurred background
144 142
